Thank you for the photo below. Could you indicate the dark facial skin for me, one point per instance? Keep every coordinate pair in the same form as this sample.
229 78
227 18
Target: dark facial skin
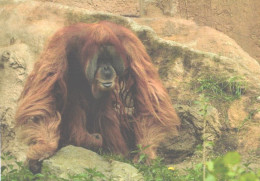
103 71
105 80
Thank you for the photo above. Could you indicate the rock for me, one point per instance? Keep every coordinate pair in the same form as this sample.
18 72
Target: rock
73 160
18 62
257 116
237 113
120 7
226 142
169 7
156 8
258 98
175 149
5 56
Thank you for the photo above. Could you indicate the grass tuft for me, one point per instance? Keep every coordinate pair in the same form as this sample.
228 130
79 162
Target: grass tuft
220 88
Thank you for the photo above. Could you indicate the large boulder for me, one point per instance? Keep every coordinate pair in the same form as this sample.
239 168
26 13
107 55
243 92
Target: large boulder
72 160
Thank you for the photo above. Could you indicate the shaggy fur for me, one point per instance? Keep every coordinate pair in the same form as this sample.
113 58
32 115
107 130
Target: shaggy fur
56 107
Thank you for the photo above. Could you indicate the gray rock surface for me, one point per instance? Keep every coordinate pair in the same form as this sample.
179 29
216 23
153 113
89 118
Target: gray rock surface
73 160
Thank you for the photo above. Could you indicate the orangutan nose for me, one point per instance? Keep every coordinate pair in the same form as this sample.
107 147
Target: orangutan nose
107 72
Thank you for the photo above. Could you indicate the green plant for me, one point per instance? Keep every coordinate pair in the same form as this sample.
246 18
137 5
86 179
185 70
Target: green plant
195 173
221 88
15 170
112 156
229 168
224 168
12 170
88 175
248 118
204 103
140 151
156 171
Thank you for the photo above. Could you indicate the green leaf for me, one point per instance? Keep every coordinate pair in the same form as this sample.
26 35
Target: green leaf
210 166
248 177
10 166
210 178
39 175
9 157
3 168
220 167
231 173
19 164
142 157
232 158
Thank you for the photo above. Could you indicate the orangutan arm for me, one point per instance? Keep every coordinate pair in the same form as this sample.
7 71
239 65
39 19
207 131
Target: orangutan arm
113 138
74 129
